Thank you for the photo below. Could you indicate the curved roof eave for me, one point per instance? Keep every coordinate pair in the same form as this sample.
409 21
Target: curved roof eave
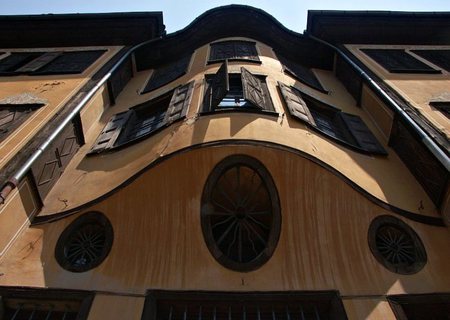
235 21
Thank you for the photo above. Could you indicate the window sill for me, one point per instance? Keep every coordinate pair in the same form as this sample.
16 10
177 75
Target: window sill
240 110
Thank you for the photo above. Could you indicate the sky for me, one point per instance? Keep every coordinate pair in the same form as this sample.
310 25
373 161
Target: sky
178 14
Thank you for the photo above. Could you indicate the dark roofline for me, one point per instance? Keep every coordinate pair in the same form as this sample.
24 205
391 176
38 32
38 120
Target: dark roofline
387 27
79 29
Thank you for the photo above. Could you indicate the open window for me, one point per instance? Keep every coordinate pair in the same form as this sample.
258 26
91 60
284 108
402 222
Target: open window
233 50
342 127
145 119
45 63
236 92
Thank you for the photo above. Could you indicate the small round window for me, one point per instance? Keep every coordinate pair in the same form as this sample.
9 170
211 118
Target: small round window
396 246
240 213
85 243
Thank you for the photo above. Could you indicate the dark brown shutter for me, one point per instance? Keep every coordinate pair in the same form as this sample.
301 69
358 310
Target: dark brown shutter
252 89
365 139
179 103
39 62
219 87
71 62
110 133
15 60
51 164
297 107
168 73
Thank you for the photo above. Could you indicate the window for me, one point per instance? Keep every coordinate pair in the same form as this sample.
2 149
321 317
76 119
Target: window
398 61
15 110
301 73
434 306
237 92
396 246
442 106
44 304
44 63
85 243
233 50
441 58
341 127
240 213
143 120
167 73
178 305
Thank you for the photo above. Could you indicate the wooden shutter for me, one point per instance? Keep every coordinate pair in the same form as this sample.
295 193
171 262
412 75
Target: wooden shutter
296 106
398 61
252 89
167 73
179 103
111 132
71 62
365 139
10 63
39 62
219 87
51 164
302 73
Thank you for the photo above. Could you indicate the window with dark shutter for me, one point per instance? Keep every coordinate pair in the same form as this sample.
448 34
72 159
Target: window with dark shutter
15 110
301 73
420 306
233 50
70 62
398 61
442 106
9 64
342 127
178 305
144 120
43 63
441 58
167 73
48 304
236 92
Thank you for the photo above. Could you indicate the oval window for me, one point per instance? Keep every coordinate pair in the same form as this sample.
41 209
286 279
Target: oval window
240 213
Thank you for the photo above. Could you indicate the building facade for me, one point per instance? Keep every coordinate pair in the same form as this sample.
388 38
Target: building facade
232 169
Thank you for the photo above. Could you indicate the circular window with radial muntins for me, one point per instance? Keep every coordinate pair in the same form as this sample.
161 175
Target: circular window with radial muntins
396 245
240 213
85 243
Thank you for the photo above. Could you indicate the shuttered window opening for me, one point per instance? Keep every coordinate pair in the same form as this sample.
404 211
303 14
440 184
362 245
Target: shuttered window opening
42 63
233 50
167 73
236 92
34 304
398 61
13 115
442 106
301 73
144 120
441 58
342 127
179 305
433 306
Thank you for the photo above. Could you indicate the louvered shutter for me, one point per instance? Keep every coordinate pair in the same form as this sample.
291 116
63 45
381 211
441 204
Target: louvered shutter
111 132
39 62
179 103
365 139
10 63
252 89
219 87
71 62
297 107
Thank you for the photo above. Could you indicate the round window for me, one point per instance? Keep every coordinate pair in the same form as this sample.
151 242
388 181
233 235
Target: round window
85 243
240 213
396 246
